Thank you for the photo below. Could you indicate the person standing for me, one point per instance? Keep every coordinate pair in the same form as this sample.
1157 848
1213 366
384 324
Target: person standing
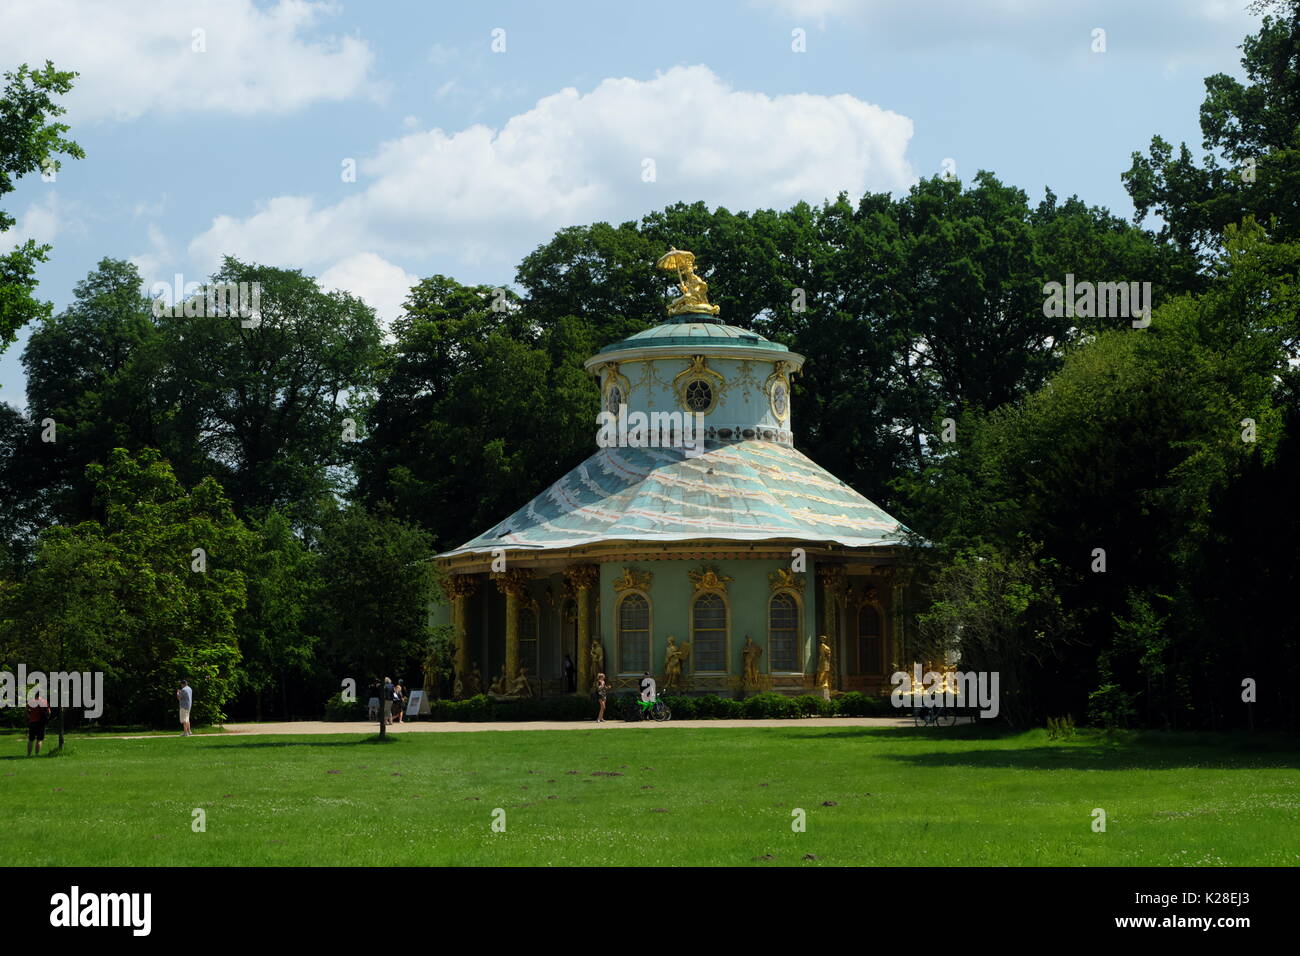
399 701
185 698
602 691
570 675
388 700
38 715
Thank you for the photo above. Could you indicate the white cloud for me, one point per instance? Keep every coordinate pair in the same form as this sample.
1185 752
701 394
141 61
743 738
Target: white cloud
137 56
43 220
376 281
482 194
158 260
1178 29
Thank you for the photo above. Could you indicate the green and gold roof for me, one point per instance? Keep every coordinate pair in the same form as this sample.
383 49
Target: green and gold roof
741 491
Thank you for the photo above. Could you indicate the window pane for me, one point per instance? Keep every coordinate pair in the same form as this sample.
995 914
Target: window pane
783 630
634 634
870 645
528 640
709 616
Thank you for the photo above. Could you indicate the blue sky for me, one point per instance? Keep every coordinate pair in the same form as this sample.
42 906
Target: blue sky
468 157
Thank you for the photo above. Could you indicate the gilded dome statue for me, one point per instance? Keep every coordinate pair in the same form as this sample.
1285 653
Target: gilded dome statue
695 291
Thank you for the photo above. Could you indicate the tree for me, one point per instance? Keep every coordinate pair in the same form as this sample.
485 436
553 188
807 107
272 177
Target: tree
1251 136
1114 469
476 407
28 143
64 616
177 575
377 584
276 638
268 403
92 370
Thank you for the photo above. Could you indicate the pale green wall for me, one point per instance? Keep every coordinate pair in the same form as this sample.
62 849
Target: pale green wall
671 592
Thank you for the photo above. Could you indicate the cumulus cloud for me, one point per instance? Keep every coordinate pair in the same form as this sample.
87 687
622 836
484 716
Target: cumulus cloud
43 220
376 281
481 194
139 56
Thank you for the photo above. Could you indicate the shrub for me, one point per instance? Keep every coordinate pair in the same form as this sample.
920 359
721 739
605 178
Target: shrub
1060 728
769 704
854 704
811 705
336 708
683 708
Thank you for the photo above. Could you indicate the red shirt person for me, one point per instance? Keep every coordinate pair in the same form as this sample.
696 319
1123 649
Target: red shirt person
38 715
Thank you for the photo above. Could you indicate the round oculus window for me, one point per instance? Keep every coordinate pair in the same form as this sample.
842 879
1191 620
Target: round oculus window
699 395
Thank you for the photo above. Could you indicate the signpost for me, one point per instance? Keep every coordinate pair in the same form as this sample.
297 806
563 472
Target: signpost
417 705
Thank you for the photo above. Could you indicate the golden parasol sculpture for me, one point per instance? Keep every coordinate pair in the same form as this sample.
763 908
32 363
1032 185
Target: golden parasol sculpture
694 299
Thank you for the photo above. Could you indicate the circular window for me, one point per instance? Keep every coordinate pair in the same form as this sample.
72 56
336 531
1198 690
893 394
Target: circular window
780 400
613 399
699 395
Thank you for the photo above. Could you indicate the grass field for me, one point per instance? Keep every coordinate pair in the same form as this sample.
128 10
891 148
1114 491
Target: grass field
656 795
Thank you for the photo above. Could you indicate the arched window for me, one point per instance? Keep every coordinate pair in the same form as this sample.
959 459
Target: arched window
633 635
870 641
528 640
709 633
783 632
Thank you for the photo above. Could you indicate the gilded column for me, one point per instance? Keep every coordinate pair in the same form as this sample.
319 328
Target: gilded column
513 584
584 577
461 587
832 578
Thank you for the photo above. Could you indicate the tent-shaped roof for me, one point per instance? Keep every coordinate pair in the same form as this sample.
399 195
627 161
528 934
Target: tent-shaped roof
742 491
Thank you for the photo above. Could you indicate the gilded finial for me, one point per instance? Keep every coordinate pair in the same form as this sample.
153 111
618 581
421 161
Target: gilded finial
695 291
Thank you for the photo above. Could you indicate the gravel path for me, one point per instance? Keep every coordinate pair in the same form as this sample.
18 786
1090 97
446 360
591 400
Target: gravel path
453 727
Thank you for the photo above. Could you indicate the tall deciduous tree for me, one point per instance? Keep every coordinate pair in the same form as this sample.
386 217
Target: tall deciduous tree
29 143
269 403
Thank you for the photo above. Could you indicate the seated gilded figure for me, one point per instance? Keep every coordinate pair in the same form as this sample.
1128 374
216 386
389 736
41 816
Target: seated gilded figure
695 291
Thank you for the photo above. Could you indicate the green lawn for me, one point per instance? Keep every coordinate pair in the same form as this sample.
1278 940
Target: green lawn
657 795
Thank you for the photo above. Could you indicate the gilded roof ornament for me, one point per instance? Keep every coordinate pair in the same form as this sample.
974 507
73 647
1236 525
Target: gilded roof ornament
708 579
633 580
695 291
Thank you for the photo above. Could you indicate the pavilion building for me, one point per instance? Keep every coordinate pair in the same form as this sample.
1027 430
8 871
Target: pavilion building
726 562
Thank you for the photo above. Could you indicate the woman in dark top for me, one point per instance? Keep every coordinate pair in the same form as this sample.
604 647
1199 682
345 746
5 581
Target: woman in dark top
602 690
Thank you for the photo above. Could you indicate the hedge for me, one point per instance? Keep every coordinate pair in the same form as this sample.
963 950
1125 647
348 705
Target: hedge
569 707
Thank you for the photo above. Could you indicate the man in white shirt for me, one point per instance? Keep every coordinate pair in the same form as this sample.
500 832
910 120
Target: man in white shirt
185 697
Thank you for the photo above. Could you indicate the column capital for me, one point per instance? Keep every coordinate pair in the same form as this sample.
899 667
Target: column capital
460 585
582 576
513 582
831 576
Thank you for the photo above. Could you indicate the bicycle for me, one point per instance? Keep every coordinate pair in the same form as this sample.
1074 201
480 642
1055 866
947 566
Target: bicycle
933 716
654 709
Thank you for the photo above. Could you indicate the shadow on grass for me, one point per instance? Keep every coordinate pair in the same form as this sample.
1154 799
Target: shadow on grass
1089 750
232 740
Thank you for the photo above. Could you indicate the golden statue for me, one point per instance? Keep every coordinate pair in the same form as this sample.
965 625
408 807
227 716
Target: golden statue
597 655
695 291
824 663
475 681
751 653
501 684
674 656
521 687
